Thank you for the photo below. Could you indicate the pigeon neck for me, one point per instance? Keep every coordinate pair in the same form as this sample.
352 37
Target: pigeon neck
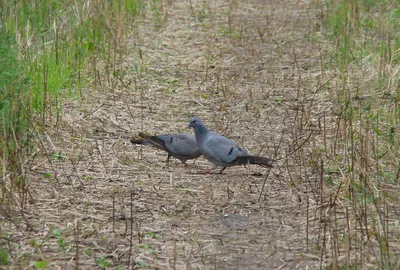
200 129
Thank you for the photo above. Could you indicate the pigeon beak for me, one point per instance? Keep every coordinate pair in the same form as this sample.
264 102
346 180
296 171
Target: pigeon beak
188 126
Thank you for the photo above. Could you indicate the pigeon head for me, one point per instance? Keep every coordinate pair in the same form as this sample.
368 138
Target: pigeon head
193 122
196 124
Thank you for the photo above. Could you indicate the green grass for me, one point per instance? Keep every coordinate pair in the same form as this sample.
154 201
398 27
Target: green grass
13 86
49 51
366 99
4 257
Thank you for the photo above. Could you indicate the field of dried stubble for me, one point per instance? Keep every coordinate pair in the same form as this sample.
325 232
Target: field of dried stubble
250 71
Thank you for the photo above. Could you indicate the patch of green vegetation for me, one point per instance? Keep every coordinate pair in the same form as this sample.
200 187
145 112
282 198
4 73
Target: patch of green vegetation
102 262
143 264
205 95
144 246
365 40
225 31
41 264
87 178
351 21
155 7
153 235
14 110
34 243
59 156
4 257
173 85
88 252
148 248
62 243
49 51
329 181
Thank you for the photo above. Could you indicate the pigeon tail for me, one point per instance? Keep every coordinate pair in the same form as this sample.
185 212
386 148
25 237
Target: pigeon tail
142 141
150 140
262 161
137 141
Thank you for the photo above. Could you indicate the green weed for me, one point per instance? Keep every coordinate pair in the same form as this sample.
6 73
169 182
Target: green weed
102 262
4 257
366 38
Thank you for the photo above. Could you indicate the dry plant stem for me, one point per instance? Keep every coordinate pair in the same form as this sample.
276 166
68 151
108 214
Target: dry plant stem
336 235
175 255
194 242
322 213
348 253
298 147
386 209
113 212
331 233
77 234
277 147
307 221
139 234
131 231
76 172
9 218
100 152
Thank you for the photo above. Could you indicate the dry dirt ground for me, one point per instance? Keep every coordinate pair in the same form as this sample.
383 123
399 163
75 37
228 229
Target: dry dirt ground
251 71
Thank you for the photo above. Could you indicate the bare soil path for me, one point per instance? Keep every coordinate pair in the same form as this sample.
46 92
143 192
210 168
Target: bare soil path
249 70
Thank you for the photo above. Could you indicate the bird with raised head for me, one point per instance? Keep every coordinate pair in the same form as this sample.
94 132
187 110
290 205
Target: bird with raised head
221 151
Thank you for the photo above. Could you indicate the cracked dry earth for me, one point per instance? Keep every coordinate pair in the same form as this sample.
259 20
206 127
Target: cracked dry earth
247 70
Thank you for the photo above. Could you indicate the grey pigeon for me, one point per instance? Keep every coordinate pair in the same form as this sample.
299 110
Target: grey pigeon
221 151
179 145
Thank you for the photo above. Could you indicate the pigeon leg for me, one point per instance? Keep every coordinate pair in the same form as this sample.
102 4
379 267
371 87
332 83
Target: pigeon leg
167 161
223 169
